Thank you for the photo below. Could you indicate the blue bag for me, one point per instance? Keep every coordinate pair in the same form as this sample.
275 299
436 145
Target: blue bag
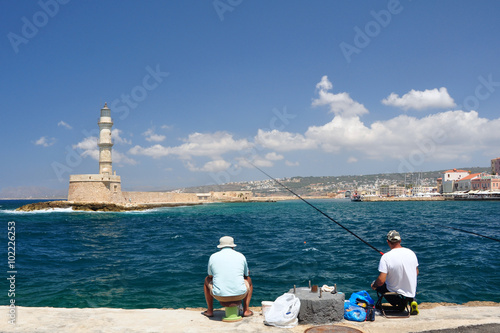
364 301
353 312
361 296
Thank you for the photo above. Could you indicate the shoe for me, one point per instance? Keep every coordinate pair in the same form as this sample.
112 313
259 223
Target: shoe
414 308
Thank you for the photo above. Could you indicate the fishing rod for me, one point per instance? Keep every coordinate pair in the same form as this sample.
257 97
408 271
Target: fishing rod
316 208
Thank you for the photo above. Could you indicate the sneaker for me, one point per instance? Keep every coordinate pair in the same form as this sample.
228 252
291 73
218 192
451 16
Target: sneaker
414 308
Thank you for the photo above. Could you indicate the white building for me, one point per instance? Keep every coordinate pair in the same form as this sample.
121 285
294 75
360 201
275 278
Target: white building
454 174
451 178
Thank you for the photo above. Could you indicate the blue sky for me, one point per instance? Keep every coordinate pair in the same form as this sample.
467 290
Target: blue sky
198 88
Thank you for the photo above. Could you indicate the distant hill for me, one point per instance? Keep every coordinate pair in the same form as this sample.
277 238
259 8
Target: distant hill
32 192
327 184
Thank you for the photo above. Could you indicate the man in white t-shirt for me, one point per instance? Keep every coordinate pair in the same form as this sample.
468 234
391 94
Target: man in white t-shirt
398 271
228 278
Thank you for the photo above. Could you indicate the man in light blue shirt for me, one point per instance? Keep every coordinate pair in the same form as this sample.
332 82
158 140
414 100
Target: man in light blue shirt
228 278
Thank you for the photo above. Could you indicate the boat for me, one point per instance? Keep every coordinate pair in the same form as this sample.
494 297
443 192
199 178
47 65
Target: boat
355 197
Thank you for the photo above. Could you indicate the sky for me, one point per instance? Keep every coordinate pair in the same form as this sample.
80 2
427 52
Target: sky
201 90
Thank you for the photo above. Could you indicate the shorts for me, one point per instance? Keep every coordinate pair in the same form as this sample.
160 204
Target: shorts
229 298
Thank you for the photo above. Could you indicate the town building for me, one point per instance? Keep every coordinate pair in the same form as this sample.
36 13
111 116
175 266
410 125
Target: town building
495 166
450 180
486 183
423 190
439 185
392 191
465 184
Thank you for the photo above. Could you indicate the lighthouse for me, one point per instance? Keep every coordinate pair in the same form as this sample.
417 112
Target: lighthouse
105 123
103 186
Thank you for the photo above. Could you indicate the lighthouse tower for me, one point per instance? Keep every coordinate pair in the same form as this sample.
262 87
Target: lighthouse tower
104 186
105 123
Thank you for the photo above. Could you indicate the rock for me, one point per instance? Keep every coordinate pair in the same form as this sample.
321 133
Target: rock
44 206
95 206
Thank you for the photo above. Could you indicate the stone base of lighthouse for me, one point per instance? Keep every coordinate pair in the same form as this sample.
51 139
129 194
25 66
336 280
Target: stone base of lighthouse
95 188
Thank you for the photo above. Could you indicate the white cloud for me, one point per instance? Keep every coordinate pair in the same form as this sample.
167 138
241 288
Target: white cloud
64 124
420 100
44 141
339 133
262 163
89 148
116 137
274 157
340 104
283 141
121 158
211 166
256 160
324 84
442 136
292 164
151 136
451 135
155 151
87 143
212 145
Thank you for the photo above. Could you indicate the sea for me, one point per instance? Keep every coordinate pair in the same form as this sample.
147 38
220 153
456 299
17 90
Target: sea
158 258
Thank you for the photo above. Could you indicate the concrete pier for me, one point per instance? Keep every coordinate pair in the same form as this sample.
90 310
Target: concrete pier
319 310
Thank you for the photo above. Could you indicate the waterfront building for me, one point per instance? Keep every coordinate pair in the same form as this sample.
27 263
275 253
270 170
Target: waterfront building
451 178
392 191
422 190
454 174
439 185
486 183
465 184
495 166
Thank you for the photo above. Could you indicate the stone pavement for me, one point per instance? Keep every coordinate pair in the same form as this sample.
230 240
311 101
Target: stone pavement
104 320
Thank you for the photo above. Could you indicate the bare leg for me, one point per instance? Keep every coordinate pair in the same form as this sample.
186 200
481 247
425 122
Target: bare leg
246 301
208 297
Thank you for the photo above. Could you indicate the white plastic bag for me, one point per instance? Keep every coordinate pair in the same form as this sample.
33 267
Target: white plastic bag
284 311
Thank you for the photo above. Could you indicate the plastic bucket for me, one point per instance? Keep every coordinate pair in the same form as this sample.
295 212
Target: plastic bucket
266 305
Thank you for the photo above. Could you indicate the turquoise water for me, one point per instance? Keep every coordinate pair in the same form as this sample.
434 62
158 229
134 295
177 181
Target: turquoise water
158 258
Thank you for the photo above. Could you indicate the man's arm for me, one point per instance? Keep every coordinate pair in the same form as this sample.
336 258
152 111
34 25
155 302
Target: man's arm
379 281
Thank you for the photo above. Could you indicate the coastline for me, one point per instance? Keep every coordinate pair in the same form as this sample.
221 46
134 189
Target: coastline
116 207
432 316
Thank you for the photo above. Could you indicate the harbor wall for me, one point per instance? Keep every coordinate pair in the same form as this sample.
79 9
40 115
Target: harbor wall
434 198
159 197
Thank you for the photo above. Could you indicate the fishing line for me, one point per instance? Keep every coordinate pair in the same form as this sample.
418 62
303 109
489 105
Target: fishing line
317 209
470 232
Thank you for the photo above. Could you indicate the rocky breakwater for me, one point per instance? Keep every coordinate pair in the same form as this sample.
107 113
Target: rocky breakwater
96 206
